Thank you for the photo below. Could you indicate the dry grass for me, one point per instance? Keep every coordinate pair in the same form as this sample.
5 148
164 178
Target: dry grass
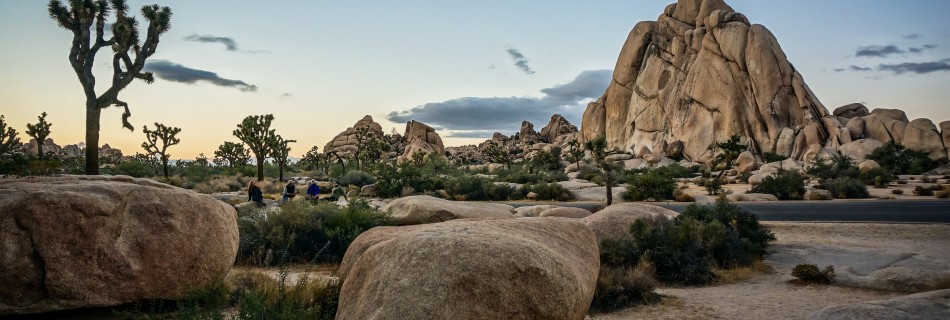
735 275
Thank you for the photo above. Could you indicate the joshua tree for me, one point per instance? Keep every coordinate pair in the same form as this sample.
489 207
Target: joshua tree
165 135
497 154
39 132
730 152
234 153
201 160
255 131
598 150
86 19
314 160
280 150
8 140
575 152
362 135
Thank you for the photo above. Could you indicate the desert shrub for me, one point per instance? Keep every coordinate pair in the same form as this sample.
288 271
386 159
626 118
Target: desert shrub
879 177
894 157
847 188
392 178
746 240
942 194
550 191
356 178
132 168
839 166
921 191
897 191
306 232
786 185
467 187
649 185
591 174
818 196
679 249
674 171
500 192
622 287
809 273
203 188
770 157
713 185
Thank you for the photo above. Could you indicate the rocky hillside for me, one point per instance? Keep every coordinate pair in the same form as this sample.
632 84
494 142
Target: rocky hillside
701 73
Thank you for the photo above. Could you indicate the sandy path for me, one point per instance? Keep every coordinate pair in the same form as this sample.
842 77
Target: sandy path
770 296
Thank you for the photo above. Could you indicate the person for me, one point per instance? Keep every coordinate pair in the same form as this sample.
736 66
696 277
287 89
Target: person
255 194
313 190
290 191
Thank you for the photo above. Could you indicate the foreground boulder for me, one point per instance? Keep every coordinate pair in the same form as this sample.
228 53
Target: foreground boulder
533 268
426 209
97 241
613 222
927 305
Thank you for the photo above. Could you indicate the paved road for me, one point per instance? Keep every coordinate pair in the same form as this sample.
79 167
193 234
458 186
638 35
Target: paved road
898 211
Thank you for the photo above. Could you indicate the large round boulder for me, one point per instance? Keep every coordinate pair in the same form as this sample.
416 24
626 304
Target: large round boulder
566 212
533 268
927 305
613 222
426 209
97 241
858 150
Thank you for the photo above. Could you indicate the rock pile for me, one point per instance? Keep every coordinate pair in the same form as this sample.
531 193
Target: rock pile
346 142
421 137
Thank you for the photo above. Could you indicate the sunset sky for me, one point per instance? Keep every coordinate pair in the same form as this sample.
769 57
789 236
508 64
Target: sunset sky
467 68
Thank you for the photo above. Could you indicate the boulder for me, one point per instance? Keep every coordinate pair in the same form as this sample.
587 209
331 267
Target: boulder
926 305
756 179
652 158
855 127
597 194
858 150
696 76
746 162
101 241
421 137
868 165
773 167
922 135
577 184
613 222
556 127
532 211
527 133
566 212
752 197
345 142
945 133
427 209
368 190
884 128
618 157
891 113
540 268
854 110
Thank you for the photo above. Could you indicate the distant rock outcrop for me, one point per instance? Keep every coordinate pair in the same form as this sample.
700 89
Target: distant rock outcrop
421 137
557 127
346 142
700 74
49 147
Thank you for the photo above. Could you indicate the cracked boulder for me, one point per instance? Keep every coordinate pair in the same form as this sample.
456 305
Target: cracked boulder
98 241
701 73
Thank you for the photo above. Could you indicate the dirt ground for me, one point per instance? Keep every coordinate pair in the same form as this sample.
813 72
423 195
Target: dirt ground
769 295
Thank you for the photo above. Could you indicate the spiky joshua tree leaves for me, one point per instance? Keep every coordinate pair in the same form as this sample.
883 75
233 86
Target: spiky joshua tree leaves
39 132
165 136
234 153
280 151
256 133
8 138
86 19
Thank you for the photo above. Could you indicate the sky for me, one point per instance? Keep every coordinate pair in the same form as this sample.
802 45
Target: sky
467 68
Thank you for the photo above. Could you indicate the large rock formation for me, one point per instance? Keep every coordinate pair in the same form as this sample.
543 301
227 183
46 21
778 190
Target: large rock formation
532 268
96 241
700 74
421 137
346 142
557 127
49 147
613 223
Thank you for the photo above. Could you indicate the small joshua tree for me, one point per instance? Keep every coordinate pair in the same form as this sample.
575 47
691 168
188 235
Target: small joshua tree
575 152
598 150
233 153
39 132
280 151
255 131
86 20
165 136
8 140
497 154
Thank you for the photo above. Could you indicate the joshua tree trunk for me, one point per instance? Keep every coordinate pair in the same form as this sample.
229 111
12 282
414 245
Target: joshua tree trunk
610 195
165 166
260 169
92 137
280 168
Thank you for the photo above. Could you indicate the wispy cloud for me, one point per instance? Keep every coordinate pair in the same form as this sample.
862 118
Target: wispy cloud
520 61
853 68
917 67
912 36
472 117
167 70
286 95
878 51
922 48
228 42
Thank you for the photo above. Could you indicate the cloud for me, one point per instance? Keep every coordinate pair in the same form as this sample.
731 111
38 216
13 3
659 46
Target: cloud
472 117
520 61
228 42
174 72
286 95
878 51
921 49
912 36
853 68
917 67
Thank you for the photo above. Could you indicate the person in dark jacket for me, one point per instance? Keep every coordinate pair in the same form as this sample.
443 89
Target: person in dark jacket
255 194
290 191
313 190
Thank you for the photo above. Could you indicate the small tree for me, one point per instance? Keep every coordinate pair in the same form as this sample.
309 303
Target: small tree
280 151
165 135
39 132
86 19
312 160
255 131
233 153
575 153
201 160
598 150
362 135
8 140
497 154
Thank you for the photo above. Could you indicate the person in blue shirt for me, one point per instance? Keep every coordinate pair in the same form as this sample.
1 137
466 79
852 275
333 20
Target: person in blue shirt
313 190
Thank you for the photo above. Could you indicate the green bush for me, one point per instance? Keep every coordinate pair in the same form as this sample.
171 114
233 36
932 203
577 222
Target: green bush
839 166
306 232
392 178
809 273
770 157
649 185
895 158
847 188
713 185
622 287
674 171
786 185
921 191
356 178
879 177
550 191
746 240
